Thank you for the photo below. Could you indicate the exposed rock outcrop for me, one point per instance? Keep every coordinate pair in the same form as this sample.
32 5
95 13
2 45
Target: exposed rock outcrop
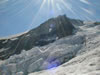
46 33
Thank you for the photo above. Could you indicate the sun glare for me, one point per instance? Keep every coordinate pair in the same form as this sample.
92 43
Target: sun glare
53 8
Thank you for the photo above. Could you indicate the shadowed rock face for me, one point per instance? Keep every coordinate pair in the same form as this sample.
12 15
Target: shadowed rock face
46 33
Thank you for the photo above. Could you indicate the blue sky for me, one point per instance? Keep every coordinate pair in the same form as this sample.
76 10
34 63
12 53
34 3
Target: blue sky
17 16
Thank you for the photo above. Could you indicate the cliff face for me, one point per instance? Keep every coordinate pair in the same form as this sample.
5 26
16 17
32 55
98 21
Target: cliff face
46 33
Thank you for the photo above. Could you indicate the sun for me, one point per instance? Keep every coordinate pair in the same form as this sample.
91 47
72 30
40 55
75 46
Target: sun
51 8
56 7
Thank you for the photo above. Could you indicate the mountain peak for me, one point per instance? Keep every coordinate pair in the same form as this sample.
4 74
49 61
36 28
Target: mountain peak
47 32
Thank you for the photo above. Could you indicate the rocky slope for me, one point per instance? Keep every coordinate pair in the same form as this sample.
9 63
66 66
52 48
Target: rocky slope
77 54
48 32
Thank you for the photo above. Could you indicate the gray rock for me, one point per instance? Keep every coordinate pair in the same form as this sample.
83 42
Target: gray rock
40 36
19 73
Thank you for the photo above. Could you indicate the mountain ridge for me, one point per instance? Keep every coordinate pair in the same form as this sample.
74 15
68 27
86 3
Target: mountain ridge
44 34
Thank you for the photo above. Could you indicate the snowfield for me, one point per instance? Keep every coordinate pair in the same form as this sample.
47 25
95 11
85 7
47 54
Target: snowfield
78 54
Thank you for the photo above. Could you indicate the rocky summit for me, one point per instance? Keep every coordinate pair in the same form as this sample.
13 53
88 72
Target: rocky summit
48 32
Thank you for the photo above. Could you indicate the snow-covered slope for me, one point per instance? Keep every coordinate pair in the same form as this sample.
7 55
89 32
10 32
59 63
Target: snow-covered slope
77 54
45 57
86 64
87 59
